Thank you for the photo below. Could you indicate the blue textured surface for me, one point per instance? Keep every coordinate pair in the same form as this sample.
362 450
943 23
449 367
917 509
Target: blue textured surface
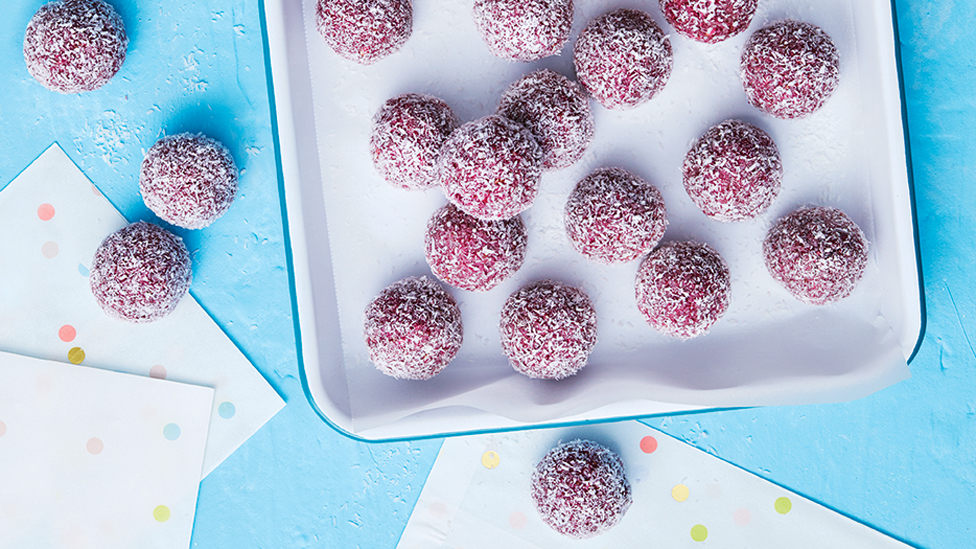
902 460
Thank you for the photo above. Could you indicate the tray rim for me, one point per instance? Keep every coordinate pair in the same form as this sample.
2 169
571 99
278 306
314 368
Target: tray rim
272 30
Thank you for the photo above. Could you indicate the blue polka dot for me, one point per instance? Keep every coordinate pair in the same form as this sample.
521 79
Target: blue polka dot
83 270
226 410
171 431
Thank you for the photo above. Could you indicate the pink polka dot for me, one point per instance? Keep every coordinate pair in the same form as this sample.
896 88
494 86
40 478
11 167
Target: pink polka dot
67 333
3 428
95 191
648 444
49 249
45 212
518 520
741 516
437 509
157 372
95 446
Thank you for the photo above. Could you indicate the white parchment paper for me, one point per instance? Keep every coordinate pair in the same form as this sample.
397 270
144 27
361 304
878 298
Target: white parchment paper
769 349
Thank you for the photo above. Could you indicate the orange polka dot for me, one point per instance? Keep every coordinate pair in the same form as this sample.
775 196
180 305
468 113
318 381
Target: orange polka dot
67 333
45 212
648 444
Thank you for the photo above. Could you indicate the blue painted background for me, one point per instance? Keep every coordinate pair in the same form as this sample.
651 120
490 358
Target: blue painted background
902 460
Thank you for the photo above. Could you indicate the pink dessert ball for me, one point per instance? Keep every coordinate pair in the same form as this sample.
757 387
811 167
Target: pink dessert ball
140 273
789 69
74 46
408 132
623 59
189 180
413 329
491 168
548 330
709 21
557 112
614 216
524 30
364 31
733 172
580 489
682 289
473 254
817 253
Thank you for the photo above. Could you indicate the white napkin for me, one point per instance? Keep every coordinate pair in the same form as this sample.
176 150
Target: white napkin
96 459
477 495
53 218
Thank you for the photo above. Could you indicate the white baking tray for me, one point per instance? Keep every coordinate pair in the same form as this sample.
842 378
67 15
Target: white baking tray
768 350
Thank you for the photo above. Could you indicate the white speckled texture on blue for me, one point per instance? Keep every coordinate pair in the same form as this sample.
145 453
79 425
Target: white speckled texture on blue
902 460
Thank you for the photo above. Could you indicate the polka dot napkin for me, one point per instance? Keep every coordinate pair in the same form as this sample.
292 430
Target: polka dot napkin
53 218
96 459
477 495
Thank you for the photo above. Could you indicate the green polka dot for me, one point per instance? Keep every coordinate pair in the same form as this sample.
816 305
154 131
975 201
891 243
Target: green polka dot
699 532
161 513
783 505
226 410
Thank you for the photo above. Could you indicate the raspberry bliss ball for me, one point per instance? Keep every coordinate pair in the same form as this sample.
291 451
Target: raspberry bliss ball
74 46
548 330
408 132
817 253
733 172
472 254
524 30
413 329
580 489
613 216
709 21
789 69
623 59
490 168
682 289
140 272
189 180
364 31
557 112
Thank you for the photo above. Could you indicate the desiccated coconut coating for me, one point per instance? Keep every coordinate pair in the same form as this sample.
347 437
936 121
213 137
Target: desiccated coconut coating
682 288
524 30
491 168
140 272
74 46
709 21
364 31
413 329
623 59
557 112
189 180
408 132
580 489
789 69
473 254
817 253
613 216
733 172
548 330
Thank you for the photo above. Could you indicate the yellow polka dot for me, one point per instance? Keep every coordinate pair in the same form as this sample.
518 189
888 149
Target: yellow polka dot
490 459
680 492
699 532
76 355
161 513
783 505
